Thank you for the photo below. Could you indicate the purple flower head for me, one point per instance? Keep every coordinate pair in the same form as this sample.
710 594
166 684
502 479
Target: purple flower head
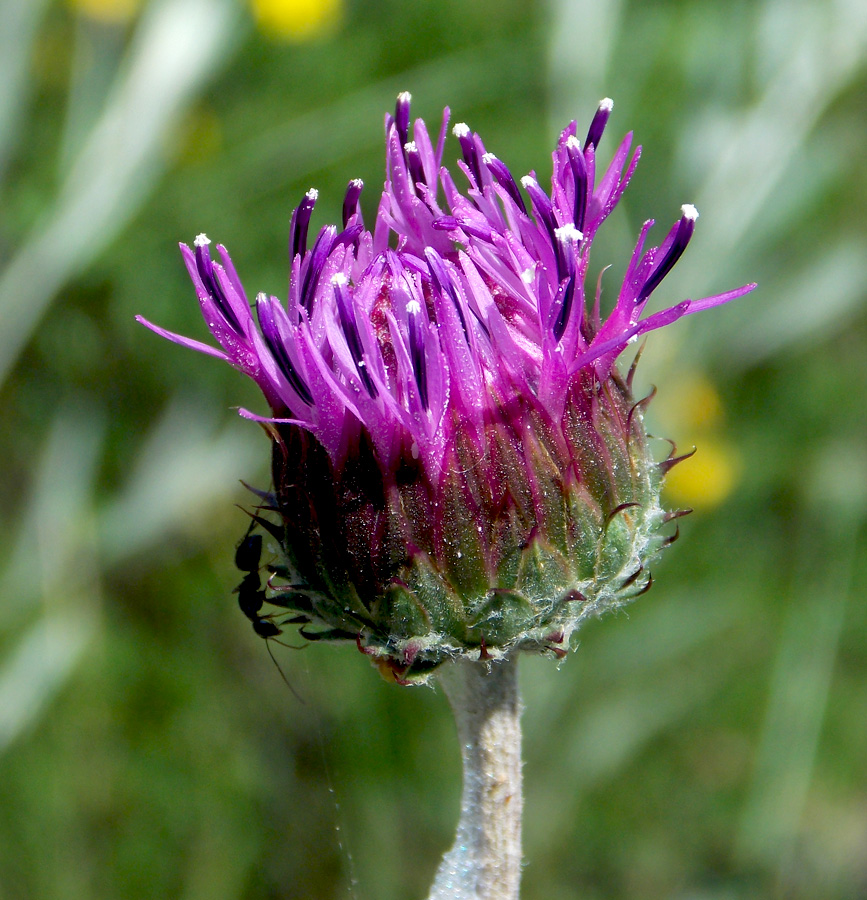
459 468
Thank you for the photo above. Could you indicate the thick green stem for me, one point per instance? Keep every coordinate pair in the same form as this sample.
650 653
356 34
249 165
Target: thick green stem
485 860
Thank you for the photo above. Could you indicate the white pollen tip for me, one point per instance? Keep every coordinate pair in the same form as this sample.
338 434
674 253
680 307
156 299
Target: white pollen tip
261 297
606 103
312 194
568 232
488 158
689 211
339 278
572 141
528 275
404 97
410 147
461 130
357 182
413 307
202 240
528 180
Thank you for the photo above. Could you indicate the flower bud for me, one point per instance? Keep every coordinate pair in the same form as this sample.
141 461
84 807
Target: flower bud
459 468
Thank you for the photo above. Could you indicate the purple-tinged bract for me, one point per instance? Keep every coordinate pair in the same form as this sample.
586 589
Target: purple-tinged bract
459 469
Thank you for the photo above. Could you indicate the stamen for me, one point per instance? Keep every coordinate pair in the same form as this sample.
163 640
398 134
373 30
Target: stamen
442 280
350 201
468 149
567 239
504 178
542 206
350 331
683 235
416 349
579 175
600 120
271 334
568 232
205 268
315 262
401 116
413 161
301 222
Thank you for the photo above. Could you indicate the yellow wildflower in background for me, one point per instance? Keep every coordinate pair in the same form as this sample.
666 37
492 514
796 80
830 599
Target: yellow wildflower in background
706 478
296 20
109 11
692 411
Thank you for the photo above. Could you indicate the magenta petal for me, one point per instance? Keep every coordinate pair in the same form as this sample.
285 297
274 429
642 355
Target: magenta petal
245 413
456 306
183 341
718 299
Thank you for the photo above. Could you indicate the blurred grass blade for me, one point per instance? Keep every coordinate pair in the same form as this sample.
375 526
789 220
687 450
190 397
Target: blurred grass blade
583 34
19 23
808 306
96 55
286 153
749 167
39 666
55 562
184 469
58 510
800 687
177 46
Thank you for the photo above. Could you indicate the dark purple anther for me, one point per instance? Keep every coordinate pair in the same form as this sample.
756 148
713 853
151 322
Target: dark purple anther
567 240
318 255
416 348
504 178
413 162
468 150
682 237
300 223
350 201
476 229
350 332
203 261
579 174
542 207
445 223
600 120
271 334
347 236
401 116
212 284
442 280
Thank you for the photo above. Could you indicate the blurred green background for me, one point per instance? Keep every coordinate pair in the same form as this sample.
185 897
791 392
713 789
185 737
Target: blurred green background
710 743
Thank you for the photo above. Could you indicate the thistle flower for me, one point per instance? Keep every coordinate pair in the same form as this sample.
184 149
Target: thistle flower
459 468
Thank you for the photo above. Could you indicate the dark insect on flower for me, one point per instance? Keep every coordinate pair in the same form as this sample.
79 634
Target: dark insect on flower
459 468
252 597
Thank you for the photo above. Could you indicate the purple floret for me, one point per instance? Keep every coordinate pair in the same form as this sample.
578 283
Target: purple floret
456 308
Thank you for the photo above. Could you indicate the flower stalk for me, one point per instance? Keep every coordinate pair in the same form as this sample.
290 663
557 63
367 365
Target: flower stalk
485 860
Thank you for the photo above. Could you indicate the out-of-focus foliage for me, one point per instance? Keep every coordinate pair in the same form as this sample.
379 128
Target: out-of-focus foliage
708 746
